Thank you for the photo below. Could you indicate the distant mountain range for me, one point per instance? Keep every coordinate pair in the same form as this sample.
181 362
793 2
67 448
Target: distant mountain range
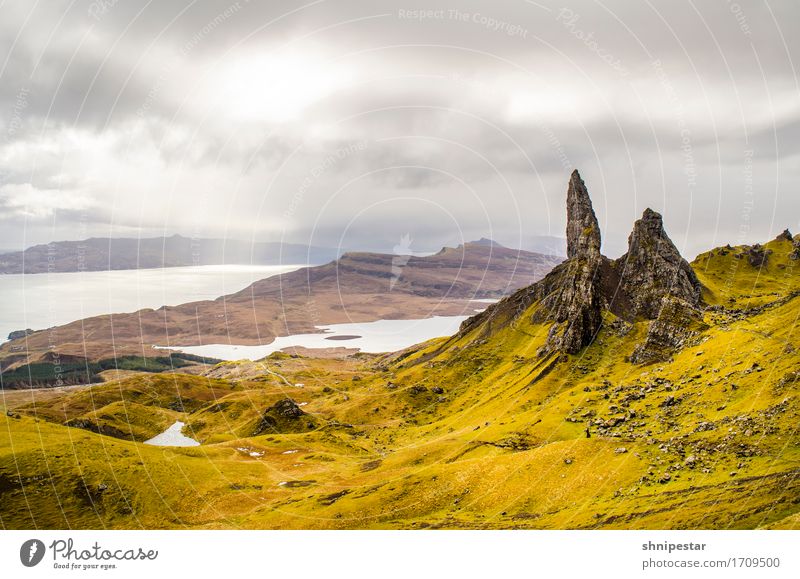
357 287
543 244
102 253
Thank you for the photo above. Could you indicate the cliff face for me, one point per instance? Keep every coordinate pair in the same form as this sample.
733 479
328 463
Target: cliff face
650 282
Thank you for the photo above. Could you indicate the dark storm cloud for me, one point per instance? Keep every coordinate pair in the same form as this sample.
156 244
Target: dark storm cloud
337 120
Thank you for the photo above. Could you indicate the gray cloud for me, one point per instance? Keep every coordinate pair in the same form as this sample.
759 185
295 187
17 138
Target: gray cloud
356 123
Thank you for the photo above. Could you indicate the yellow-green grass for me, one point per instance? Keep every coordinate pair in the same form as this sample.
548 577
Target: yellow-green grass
707 439
731 281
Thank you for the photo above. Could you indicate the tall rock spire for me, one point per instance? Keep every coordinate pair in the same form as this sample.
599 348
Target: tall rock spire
651 284
583 232
653 269
572 295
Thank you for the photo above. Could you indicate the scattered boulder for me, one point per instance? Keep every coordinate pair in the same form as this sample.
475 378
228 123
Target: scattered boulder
757 256
795 255
669 401
285 416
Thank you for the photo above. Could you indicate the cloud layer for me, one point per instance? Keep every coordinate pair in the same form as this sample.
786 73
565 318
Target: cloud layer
354 124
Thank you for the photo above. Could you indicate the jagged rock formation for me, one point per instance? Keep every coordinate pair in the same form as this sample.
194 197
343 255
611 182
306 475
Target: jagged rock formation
651 282
572 300
757 256
570 294
653 269
583 232
658 284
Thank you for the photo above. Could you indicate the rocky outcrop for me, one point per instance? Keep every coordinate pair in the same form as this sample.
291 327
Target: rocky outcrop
99 428
651 282
571 294
17 334
675 324
653 269
571 298
283 417
757 255
583 232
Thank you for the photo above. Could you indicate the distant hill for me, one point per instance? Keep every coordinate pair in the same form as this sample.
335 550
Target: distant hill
101 254
358 287
484 242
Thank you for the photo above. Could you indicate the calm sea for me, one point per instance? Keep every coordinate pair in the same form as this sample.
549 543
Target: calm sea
40 301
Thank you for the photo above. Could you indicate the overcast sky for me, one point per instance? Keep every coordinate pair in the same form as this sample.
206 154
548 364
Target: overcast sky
356 123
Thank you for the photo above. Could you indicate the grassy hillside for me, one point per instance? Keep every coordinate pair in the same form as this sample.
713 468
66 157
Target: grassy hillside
473 431
731 280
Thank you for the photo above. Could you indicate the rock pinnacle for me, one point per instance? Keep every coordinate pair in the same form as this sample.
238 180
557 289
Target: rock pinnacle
583 232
